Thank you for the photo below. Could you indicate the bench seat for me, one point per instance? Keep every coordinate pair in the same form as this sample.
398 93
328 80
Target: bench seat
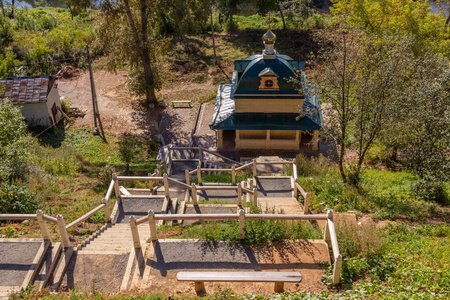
279 278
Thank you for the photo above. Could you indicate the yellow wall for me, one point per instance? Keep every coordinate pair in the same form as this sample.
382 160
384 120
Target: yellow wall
269 105
252 134
282 134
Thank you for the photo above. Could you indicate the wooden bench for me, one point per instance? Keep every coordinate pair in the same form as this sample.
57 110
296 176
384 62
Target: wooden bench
279 278
183 102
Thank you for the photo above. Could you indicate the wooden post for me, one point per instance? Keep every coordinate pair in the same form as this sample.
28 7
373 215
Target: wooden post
186 173
116 185
200 157
306 204
337 269
241 224
135 233
151 223
63 231
194 194
199 287
233 175
279 287
166 186
326 233
255 197
106 209
254 168
199 175
43 225
170 155
150 182
239 194
295 190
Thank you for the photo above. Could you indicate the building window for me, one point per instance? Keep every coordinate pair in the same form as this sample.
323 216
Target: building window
269 83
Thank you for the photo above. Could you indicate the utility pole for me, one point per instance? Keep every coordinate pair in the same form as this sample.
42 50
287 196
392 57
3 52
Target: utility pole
94 100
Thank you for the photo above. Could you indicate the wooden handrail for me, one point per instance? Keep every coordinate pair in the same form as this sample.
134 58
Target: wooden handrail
285 217
183 148
221 156
18 216
248 191
244 166
215 170
110 190
216 187
85 216
231 217
274 162
50 219
334 241
179 183
302 191
143 178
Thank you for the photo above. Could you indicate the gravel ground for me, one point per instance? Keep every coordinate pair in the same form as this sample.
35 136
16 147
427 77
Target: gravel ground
15 261
138 207
274 187
102 272
207 209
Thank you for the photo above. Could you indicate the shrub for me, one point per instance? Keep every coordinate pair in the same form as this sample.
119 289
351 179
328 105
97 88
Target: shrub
105 175
431 191
313 166
15 198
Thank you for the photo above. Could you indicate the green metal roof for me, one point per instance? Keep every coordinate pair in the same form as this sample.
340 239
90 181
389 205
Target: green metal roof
267 70
225 118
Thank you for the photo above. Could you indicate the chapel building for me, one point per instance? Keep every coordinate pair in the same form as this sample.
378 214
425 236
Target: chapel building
263 108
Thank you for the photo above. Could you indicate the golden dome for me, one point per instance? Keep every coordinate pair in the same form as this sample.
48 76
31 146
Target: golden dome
269 37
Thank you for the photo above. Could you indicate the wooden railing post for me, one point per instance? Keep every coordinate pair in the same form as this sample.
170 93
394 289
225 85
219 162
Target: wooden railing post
43 225
241 224
200 157
152 224
150 182
255 197
326 233
166 185
170 154
135 233
233 175
337 269
295 190
194 194
306 204
239 194
106 209
199 175
254 168
116 185
63 231
186 173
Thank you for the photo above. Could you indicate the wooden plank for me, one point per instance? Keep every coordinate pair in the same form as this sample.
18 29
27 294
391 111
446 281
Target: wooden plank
240 276
61 269
85 216
127 274
34 268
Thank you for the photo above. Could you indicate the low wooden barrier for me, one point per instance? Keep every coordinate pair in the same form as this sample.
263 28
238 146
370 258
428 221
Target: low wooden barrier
41 218
329 234
183 102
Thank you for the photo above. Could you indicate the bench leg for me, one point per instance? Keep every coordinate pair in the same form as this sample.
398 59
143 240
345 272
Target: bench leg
200 287
279 287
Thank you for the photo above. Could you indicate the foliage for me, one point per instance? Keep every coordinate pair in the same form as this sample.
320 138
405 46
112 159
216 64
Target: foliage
15 199
8 65
313 166
407 18
14 143
139 43
256 231
130 147
431 191
61 162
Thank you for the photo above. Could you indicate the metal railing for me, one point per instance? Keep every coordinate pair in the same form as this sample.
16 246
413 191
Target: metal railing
329 233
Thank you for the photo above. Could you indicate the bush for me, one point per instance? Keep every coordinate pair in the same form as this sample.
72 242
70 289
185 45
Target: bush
313 166
431 191
15 199
105 175
14 143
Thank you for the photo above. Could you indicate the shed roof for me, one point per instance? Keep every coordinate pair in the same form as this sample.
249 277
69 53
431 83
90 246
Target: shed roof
24 90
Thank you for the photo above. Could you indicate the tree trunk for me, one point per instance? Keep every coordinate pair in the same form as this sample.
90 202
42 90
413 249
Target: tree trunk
3 8
150 91
282 16
448 19
12 9
143 48
231 21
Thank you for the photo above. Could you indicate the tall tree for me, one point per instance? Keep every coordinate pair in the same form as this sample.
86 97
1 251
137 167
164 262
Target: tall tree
77 6
359 78
229 8
130 34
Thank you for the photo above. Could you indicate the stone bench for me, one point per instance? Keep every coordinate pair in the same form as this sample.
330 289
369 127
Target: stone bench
182 102
279 278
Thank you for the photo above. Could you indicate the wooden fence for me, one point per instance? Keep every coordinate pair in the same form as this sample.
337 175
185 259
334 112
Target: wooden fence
329 233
